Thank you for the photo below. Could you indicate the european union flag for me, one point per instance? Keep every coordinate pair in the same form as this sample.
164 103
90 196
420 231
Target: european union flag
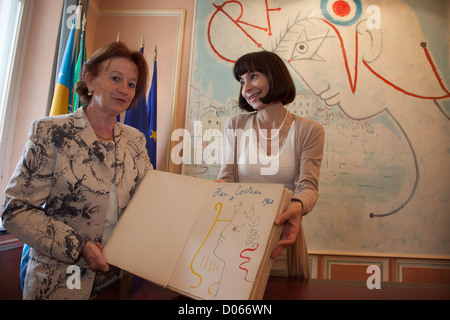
138 117
152 111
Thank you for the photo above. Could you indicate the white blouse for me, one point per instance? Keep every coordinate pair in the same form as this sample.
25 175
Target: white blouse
112 214
252 158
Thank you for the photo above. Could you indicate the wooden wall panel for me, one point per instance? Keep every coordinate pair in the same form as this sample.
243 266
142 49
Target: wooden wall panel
354 267
10 254
423 271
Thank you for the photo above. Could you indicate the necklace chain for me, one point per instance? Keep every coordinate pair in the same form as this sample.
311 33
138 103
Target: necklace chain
104 138
278 130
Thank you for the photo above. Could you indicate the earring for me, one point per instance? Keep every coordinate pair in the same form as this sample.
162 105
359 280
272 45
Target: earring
89 93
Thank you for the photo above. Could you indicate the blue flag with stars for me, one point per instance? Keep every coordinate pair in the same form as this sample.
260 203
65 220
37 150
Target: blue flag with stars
152 111
138 117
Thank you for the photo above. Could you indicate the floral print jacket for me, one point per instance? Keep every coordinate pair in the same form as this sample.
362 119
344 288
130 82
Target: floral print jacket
58 196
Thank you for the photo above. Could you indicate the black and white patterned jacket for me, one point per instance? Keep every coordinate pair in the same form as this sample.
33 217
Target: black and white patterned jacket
58 197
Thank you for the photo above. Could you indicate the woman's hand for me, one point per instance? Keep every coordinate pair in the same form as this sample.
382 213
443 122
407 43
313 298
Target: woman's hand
92 253
292 219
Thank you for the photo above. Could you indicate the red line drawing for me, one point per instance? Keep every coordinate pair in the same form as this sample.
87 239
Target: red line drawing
353 81
247 261
268 17
430 61
344 54
238 22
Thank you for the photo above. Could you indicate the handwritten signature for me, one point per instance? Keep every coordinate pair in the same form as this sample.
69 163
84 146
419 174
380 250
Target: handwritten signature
241 191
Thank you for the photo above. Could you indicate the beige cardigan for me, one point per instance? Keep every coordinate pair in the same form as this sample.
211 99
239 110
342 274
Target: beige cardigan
310 137
309 144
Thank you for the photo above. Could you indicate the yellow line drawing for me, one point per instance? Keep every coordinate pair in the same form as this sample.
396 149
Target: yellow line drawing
206 238
209 288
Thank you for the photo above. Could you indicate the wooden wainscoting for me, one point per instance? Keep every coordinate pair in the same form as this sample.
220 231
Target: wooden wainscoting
420 270
322 266
354 267
10 254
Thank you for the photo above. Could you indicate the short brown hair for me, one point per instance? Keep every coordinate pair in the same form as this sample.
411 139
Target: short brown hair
281 85
114 50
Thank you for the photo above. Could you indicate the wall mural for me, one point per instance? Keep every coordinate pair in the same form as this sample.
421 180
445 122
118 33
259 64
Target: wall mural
376 75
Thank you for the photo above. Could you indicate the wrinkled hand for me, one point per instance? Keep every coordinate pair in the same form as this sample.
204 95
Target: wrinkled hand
292 219
92 253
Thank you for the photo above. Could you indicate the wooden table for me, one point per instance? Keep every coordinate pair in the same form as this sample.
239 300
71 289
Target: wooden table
280 288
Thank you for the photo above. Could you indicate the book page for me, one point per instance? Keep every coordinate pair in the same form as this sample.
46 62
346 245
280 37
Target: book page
265 266
229 239
151 233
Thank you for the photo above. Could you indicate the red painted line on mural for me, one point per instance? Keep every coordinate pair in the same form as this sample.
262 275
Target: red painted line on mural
347 69
403 90
238 23
433 67
354 81
268 16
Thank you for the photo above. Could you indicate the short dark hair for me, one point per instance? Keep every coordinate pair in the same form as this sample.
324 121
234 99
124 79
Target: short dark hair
281 85
114 50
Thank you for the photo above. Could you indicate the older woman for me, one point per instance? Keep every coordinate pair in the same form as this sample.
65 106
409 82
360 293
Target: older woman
294 144
75 178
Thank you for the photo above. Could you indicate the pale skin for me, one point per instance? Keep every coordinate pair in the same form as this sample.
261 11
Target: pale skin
254 86
113 90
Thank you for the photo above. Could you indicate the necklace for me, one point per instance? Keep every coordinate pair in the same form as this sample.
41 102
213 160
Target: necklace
278 130
104 138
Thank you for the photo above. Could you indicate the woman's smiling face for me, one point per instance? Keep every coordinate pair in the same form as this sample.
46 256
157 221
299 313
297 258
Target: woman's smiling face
254 86
115 85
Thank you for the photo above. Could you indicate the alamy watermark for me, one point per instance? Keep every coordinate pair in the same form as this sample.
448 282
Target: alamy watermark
74 279
208 148
374 20
374 280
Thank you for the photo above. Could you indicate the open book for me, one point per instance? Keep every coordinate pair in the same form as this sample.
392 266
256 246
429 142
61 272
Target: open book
203 239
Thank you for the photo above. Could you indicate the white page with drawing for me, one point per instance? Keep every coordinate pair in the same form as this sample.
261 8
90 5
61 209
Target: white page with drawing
202 238
150 235
228 241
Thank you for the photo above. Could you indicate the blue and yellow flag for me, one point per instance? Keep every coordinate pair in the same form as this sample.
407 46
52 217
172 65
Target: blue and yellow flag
152 111
63 96
79 66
